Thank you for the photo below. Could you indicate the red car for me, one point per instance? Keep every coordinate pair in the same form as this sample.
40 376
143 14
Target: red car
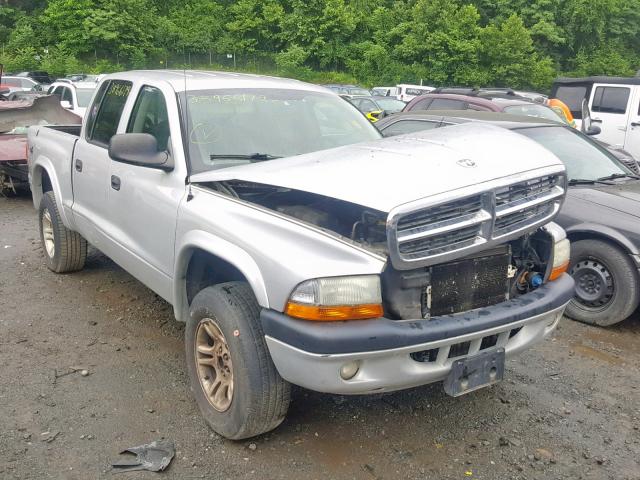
15 117
505 103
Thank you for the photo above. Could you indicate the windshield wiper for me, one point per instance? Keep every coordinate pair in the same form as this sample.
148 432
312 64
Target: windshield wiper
258 157
619 175
584 181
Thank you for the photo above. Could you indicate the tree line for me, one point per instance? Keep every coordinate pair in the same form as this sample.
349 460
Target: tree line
515 43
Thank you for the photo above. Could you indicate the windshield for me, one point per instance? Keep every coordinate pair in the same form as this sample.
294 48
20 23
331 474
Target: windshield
84 96
533 110
583 158
269 122
391 104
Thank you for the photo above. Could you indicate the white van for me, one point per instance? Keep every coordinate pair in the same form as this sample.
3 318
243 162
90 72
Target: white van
614 103
407 92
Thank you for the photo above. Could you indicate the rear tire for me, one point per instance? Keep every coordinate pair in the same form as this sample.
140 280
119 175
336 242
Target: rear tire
607 285
234 381
64 249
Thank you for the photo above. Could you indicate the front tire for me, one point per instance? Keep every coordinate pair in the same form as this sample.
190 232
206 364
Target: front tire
607 286
234 381
64 249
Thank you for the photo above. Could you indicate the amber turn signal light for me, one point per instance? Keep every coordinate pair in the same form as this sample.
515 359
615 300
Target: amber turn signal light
333 313
557 271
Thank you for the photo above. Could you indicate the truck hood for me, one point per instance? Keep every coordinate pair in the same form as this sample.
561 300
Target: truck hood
390 172
623 197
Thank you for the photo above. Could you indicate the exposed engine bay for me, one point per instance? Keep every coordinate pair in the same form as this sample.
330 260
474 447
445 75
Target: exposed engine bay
351 221
476 281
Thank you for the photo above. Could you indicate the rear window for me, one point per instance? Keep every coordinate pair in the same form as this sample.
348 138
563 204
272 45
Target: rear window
572 95
533 110
447 104
611 100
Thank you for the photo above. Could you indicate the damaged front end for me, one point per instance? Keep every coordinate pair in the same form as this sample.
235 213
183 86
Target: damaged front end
454 256
351 222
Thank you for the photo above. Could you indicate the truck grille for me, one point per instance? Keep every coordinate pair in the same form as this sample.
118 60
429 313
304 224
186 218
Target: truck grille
451 229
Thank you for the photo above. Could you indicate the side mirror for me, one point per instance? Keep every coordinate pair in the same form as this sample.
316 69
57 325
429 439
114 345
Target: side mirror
593 130
586 119
65 104
139 149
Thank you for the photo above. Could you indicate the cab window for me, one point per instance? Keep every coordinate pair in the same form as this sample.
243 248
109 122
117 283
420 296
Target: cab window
66 95
150 116
610 100
106 112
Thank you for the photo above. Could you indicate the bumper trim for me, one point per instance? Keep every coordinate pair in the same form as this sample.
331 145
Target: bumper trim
394 369
383 334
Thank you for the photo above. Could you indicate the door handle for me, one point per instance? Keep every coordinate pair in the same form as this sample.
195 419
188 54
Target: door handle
78 165
596 120
115 182
635 124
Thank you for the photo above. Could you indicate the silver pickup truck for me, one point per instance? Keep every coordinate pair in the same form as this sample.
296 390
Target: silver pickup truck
300 247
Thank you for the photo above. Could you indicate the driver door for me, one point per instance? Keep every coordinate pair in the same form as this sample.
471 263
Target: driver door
144 201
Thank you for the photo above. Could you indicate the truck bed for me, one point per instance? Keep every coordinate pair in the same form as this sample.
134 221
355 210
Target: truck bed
56 143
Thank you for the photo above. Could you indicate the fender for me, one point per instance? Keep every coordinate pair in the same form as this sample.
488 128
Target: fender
198 239
603 231
43 163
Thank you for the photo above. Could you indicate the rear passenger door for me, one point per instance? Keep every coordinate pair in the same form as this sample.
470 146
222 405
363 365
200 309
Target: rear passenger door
91 163
610 110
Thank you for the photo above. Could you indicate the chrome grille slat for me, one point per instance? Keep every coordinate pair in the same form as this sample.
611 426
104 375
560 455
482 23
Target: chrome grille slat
444 227
512 207
450 229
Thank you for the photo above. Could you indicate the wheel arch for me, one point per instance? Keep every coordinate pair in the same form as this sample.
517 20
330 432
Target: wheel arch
43 180
603 233
202 260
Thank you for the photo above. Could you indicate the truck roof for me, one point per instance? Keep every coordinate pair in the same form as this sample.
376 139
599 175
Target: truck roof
203 80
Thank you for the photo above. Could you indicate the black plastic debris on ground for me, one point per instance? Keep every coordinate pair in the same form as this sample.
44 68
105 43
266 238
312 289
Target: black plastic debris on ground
155 457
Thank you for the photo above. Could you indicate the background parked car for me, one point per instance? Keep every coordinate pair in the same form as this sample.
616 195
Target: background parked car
406 92
73 96
20 84
490 101
348 89
39 76
384 91
601 213
614 103
376 107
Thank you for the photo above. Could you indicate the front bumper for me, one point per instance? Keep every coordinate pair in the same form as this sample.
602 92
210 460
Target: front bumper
311 354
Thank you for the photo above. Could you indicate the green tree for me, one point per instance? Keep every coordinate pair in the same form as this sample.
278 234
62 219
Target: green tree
440 41
508 55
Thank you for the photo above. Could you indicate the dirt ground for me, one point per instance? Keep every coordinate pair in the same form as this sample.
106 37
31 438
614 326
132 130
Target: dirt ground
568 409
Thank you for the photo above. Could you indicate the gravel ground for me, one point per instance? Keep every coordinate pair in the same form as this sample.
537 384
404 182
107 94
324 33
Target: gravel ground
567 409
